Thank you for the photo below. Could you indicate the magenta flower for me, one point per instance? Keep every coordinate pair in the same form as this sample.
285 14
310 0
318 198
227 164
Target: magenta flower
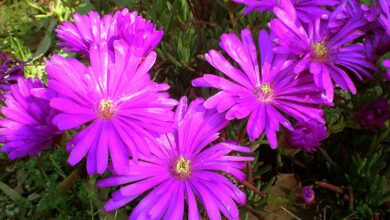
370 13
123 109
328 56
348 9
87 29
377 42
308 195
384 18
27 126
377 39
10 70
373 115
137 31
261 94
307 135
305 8
184 169
386 63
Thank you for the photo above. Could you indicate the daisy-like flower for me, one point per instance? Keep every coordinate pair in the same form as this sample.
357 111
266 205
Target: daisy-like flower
27 128
384 18
91 29
377 42
261 94
306 135
306 8
326 54
348 9
184 168
10 70
373 115
123 109
308 195
86 30
386 63
137 31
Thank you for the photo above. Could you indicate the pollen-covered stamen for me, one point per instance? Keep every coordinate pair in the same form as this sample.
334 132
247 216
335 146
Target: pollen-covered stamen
106 109
320 49
263 92
266 88
182 168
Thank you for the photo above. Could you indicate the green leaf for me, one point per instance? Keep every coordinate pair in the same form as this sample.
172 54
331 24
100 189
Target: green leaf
86 7
19 49
43 46
45 43
11 193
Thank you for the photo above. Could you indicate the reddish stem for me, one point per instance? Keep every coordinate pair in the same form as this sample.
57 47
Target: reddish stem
256 213
329 186
253 188
249 173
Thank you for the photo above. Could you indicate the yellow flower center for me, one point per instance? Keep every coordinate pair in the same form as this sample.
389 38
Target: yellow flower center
320 49
106 109
266 88
182 167
264 92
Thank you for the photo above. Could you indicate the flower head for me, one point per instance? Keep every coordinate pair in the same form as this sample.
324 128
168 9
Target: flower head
348 9
344 12
386 64
378 37
306 135
262 94
373 115
377 42
91 29
137 31
384 17
305 8
123 109
328 55
86 30
184 168
27 128
10 70
308 195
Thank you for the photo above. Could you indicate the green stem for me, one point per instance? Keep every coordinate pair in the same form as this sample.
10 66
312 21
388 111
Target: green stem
327 157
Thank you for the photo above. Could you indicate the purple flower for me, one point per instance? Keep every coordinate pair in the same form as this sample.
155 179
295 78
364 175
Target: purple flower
261 94
370 13
88 29
306 135
373 115
384 18
306 8
10 70
377 39
348 9
184 169
308 195
137 31
123 109
386 63
326 54
27 128
377 42
259 5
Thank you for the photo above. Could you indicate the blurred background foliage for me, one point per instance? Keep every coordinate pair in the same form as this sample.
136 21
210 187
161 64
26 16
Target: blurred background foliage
349 173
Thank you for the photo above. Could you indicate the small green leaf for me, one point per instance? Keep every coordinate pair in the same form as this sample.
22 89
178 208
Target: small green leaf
11 193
